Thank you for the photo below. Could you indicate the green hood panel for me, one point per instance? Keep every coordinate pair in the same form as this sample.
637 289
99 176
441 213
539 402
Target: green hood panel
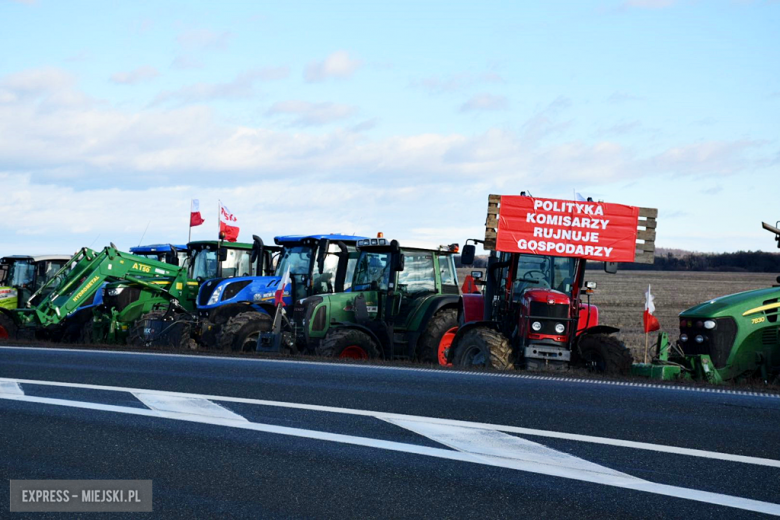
733 304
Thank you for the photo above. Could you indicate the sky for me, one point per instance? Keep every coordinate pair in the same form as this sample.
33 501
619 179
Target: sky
400 117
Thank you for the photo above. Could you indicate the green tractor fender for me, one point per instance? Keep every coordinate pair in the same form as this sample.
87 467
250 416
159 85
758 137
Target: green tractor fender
436 304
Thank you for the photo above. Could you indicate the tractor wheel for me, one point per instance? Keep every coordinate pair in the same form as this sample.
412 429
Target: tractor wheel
85 333
348 344
483 347
176 335
605 354
438 337
8 328
241 332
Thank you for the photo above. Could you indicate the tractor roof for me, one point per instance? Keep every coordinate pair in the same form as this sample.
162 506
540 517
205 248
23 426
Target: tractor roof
291 239
36 258
198 244
383 244
157 248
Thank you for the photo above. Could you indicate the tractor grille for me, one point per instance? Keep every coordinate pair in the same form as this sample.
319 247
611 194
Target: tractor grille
717 342
234 288
206 289
123 299
545 310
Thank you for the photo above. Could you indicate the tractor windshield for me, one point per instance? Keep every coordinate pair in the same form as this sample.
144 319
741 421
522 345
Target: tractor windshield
297 259
546 272
372 268
21 273
204 264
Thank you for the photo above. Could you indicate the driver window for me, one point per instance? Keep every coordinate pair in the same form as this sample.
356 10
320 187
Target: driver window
418 274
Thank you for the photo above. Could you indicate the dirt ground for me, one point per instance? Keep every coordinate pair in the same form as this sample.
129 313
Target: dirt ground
621 297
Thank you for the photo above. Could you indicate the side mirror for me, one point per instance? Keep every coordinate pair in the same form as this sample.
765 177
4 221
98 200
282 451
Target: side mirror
467 256
172 255
399 262
477 275
610 267
257 249
322 252
222 254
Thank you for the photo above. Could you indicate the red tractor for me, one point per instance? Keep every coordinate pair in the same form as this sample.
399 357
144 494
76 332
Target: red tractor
532 314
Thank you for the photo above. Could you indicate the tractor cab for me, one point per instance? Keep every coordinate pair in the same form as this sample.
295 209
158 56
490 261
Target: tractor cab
24 275
210 259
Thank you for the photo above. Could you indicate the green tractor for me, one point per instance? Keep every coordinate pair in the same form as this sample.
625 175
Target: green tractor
728 338
402 303
21 276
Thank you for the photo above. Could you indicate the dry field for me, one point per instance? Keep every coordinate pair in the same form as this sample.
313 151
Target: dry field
621 297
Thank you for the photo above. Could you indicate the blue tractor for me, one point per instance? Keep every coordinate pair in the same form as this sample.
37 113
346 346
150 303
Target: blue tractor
168 253
233 312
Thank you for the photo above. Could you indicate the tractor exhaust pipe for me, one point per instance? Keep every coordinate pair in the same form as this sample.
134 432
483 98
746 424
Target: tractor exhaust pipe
772 229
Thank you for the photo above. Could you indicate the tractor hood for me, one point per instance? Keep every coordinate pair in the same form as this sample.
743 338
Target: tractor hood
733 304
250 289
8 298
548 296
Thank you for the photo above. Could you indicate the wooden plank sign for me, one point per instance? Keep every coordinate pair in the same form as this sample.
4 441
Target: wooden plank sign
597 231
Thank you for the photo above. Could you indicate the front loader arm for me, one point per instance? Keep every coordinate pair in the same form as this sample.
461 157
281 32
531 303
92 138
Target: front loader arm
84 275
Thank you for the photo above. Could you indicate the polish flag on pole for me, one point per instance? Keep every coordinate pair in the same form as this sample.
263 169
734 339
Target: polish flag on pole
279 296
651 322
195 218
228 224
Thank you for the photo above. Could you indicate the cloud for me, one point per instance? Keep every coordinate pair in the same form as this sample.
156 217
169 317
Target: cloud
311 114
240 87
483 102
204 39
710 158
648 4
26 2
184 61
455 82
622 97
338 65
712 190
365 126
144 73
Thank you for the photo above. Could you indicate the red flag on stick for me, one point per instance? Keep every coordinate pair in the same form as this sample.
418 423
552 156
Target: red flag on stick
195 218
650 321
228 224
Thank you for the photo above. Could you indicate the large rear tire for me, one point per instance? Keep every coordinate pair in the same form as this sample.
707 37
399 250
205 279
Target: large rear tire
175 333
241 332
604 354
348 344
8 329
483 347
438 336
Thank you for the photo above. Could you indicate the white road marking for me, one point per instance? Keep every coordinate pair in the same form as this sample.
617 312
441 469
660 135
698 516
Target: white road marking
660 448
602 477
10 387
442 371
186 405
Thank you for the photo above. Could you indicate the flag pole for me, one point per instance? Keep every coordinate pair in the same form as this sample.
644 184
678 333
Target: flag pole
189 234
647 335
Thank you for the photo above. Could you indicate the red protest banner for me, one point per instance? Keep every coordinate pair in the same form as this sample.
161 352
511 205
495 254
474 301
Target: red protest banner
592 230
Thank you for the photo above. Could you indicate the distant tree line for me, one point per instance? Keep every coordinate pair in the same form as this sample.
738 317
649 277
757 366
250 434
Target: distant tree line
741 261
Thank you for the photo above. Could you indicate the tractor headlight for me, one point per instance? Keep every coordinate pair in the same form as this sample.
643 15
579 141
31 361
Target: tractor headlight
559 328
216 294
683 337
536 326
115 291
699 339
709 324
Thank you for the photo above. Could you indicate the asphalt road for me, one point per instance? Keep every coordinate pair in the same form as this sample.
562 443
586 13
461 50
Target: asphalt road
267 439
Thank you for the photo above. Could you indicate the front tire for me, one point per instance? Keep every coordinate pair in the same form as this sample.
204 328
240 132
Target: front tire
483 347
175 332
438 337
241 332
605 354
348 344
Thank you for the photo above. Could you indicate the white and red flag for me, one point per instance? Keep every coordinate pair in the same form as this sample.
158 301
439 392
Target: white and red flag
195 218
279 296
228 224
650 321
